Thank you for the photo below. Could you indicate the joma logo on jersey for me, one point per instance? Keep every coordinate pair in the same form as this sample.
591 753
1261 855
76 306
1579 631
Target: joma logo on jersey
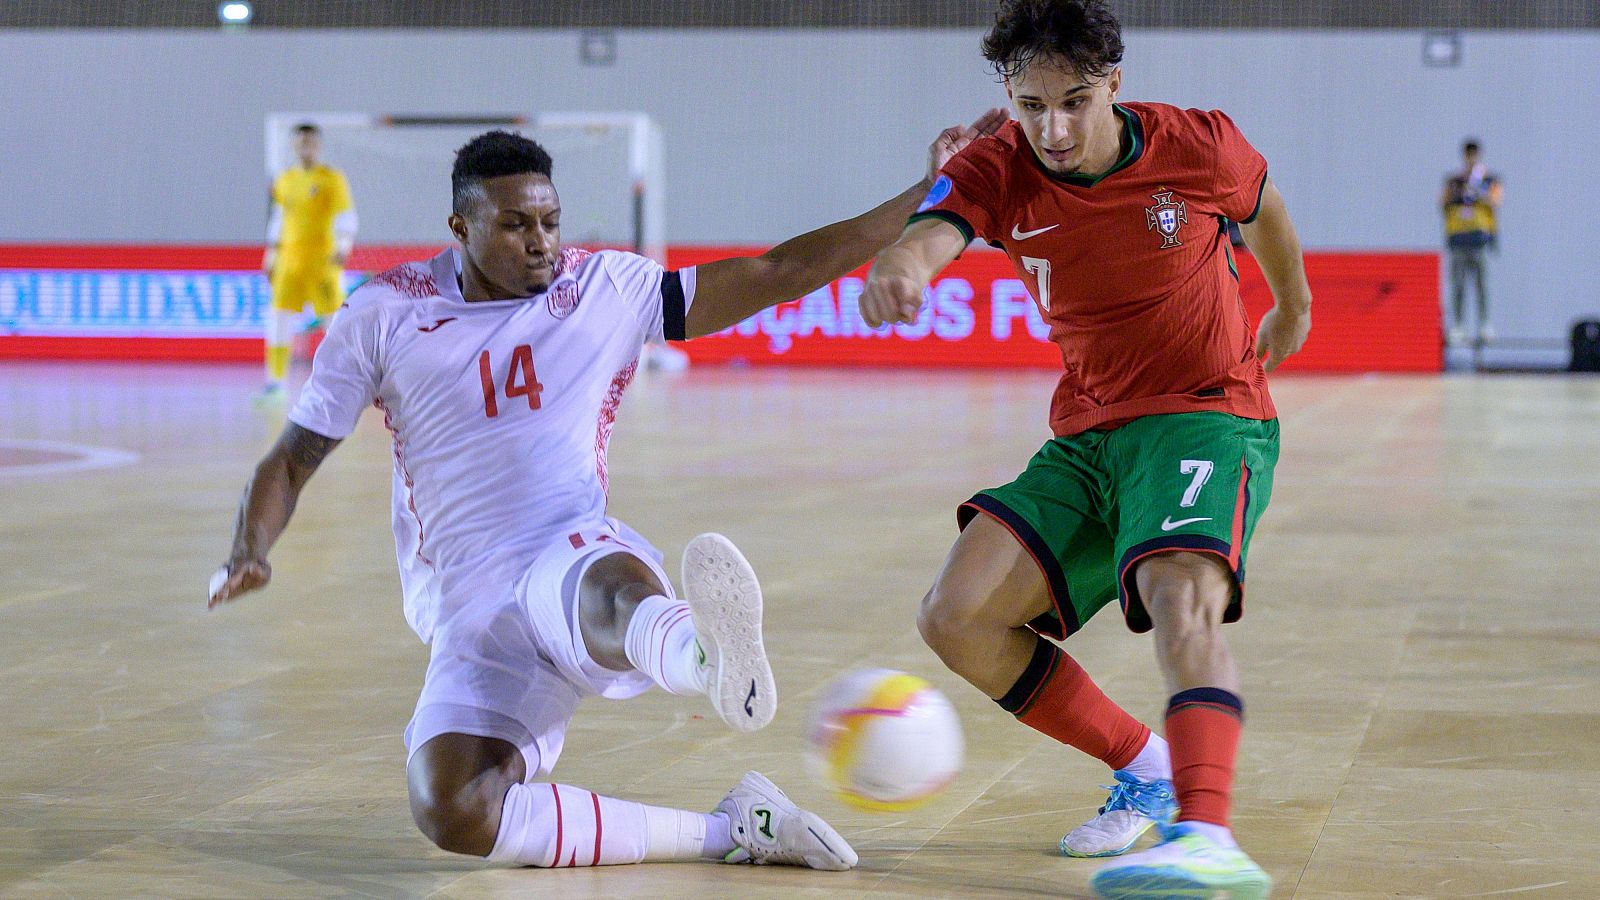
1167 217
563 299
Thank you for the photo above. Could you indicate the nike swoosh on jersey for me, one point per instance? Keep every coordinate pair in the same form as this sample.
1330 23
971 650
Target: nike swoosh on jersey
435 326
1167 524
1017 234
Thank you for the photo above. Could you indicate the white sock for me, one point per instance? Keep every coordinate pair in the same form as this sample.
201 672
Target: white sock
1153 762
676 833
660 643
556 826
280 327
719 837
1219 834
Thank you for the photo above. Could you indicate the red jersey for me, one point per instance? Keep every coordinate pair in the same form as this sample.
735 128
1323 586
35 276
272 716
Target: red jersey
1132 268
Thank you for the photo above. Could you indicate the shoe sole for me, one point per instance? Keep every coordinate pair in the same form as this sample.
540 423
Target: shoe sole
1151 883
1102 854
725 600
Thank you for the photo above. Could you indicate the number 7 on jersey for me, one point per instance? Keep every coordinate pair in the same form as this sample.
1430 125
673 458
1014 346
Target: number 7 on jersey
521 364
1041 273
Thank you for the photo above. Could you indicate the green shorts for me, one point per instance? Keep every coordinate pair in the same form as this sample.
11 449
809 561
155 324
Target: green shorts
1091 505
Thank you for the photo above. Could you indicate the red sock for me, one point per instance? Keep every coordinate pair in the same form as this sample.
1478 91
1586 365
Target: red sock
1056 696
1203 726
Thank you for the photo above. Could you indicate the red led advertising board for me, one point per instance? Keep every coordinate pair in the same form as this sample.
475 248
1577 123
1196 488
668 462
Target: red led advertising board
1373 312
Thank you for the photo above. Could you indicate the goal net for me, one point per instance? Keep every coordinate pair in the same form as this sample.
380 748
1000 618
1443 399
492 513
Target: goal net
608 169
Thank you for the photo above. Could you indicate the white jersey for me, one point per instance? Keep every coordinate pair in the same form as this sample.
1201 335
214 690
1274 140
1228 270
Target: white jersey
500 411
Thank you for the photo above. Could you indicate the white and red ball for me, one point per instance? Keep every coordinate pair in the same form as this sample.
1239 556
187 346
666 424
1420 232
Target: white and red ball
884 740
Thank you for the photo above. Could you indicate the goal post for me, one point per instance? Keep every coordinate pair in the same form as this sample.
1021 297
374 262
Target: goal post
609 171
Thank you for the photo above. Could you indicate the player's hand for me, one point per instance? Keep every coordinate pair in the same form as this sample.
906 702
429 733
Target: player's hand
953 139
237 578
268 261
888 299
1282 333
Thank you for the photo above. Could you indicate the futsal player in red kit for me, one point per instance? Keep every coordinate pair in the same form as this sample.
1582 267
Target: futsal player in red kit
1165 438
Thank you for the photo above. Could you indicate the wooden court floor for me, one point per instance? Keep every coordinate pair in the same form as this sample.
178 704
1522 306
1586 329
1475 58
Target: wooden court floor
1421 646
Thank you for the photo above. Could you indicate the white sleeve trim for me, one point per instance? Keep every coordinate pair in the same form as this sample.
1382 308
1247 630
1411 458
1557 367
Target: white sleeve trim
687 278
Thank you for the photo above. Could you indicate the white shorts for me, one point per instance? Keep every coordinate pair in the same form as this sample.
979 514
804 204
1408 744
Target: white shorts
512 664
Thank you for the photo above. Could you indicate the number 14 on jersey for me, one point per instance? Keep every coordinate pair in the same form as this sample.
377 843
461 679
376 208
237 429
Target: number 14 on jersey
521 380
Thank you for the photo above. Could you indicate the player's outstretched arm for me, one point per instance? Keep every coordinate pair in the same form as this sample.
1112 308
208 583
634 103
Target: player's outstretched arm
729 291
269 501
1272 239
894 287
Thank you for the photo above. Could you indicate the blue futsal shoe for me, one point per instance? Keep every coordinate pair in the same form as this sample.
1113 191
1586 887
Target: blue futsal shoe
1131 809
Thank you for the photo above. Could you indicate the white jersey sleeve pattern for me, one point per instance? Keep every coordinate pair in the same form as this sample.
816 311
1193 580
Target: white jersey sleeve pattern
659 298
347 370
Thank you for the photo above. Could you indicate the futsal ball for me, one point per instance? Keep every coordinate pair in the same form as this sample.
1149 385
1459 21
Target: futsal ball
884 741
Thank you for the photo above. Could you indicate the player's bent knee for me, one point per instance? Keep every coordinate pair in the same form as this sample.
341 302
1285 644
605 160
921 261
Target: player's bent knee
953 625
454 822
930 622
457 783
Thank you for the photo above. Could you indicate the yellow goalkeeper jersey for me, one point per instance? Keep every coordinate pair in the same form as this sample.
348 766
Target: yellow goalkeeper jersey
310 200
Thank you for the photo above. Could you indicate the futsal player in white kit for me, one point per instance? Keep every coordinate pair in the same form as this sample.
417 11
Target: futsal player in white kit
498 366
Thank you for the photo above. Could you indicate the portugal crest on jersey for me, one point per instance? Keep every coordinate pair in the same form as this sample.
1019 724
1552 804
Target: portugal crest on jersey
1167 217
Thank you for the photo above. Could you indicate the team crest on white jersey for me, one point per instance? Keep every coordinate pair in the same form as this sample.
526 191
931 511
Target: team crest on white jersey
1167 217
562 299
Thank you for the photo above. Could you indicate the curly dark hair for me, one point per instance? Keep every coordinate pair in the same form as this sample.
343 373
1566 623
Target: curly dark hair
490 155
1082 33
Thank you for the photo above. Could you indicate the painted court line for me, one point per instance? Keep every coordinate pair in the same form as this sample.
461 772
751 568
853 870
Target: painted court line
84 456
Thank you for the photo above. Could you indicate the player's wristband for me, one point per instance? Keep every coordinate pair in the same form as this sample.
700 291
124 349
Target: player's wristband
217 581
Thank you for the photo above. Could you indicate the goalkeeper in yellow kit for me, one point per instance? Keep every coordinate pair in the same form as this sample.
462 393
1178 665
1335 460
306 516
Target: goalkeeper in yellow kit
309 236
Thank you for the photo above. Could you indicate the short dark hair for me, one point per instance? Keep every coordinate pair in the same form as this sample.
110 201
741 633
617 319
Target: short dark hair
1470 145
490 155
307 128
1082 33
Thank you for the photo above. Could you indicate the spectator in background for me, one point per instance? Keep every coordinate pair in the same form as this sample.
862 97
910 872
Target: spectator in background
1471 204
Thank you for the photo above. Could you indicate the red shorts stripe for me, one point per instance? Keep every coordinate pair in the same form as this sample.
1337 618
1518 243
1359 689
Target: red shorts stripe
1241 505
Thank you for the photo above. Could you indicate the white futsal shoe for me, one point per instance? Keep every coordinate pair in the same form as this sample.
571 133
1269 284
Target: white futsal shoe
769 830
725 600
1133 807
